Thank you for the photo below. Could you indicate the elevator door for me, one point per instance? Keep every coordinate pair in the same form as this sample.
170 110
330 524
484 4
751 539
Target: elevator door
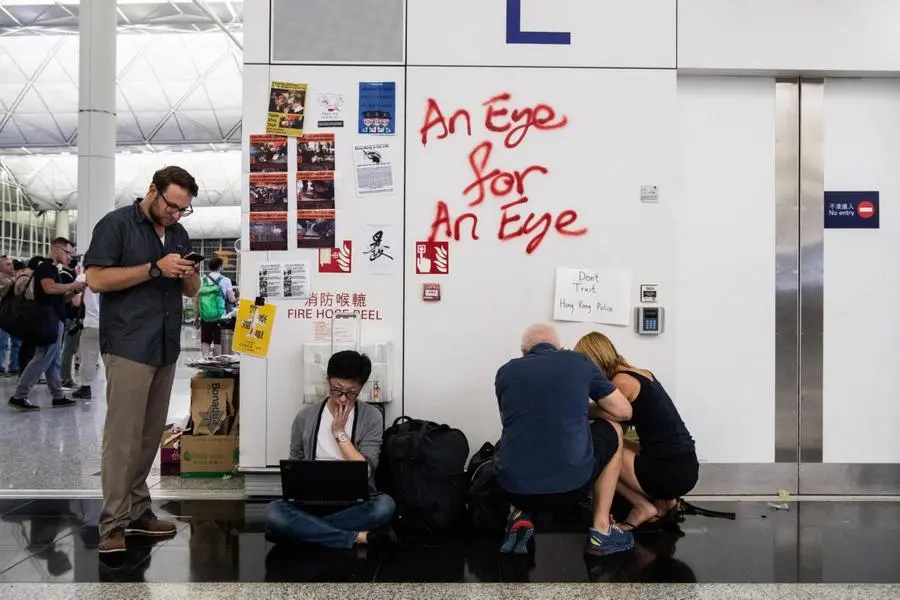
849 287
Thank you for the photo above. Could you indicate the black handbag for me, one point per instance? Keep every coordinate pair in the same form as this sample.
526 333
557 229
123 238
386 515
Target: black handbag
26 319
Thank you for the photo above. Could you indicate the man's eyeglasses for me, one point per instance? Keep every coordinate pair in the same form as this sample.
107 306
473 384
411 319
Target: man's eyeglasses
337 393
173 208
68 252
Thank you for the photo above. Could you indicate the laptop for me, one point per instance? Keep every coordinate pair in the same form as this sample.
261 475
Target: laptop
325 483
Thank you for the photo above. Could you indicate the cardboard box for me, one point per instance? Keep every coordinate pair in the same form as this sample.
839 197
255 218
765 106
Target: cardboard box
213 405
208 455
170 452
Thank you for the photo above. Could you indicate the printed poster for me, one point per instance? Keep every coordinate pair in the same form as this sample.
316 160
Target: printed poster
287 102
377 108
296 280
268 231
316 224
253 330
268 211
268 192
315 154
590 296
268 154
270 281
380 249
331 109
315 191
336 260
374 171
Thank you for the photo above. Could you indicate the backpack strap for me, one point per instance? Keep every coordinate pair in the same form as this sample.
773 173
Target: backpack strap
217 283
25 287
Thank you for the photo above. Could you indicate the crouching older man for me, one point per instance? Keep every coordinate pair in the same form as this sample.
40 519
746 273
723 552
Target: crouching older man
550 455
339 428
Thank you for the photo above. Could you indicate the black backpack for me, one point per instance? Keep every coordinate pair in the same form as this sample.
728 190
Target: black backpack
25 319
422 467
487 503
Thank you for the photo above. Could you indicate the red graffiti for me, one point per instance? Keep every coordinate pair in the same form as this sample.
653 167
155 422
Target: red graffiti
541 117
516 124
501 183
451 226
434 117
533 223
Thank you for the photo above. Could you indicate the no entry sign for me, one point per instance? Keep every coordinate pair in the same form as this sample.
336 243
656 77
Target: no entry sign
852 210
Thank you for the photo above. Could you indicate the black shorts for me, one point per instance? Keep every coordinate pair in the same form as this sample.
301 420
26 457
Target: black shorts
210 333
667 478
606 444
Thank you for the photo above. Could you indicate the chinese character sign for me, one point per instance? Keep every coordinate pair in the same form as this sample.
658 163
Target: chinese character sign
253 328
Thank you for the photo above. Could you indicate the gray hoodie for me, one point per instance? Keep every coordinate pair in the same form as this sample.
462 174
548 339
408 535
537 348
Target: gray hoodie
368 431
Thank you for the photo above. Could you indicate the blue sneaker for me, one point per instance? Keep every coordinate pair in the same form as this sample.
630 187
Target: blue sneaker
614 540
519 531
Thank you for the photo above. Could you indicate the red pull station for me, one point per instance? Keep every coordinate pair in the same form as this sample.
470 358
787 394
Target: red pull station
431 292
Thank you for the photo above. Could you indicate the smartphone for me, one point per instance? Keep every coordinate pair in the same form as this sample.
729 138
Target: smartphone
194 257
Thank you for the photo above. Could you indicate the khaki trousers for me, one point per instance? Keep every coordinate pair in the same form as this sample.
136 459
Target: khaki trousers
137 399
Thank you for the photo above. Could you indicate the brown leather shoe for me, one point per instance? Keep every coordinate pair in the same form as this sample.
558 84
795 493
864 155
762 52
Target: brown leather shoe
114 541
149 524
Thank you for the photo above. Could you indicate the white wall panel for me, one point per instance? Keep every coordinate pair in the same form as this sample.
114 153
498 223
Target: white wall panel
726 268
254 375
256 15
619 136
861 331
789 35
604 33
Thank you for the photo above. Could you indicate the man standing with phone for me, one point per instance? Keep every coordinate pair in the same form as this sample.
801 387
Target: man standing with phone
136 264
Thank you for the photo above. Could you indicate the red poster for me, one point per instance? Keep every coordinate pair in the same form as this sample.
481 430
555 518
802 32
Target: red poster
432 258
336 260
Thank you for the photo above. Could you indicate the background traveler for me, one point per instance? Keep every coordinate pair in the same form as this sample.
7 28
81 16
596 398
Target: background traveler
51 295
216 294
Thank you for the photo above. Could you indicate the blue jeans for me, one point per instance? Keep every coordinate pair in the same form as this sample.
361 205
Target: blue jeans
339 530
47 360
8 342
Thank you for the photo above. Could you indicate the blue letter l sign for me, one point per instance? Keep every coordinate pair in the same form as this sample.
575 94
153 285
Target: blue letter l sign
515 35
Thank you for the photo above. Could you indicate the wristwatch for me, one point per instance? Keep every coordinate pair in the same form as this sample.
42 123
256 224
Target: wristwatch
342 437
155 273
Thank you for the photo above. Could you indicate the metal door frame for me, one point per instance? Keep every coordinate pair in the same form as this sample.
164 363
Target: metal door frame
815 476
799 323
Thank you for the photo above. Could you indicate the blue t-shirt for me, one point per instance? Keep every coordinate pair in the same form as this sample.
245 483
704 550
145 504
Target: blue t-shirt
546 445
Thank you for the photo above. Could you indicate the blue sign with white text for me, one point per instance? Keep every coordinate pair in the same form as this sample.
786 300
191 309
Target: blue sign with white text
377 107
515 35
852 210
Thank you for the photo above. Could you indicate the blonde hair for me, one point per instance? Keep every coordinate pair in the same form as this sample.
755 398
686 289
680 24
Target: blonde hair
600 349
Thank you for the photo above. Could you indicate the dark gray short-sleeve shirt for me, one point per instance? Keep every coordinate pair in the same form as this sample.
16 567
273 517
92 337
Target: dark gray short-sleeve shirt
142 323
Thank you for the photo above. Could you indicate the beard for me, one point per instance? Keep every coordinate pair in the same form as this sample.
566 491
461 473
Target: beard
159 217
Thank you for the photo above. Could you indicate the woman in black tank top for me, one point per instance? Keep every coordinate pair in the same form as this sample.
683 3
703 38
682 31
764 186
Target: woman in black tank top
663 466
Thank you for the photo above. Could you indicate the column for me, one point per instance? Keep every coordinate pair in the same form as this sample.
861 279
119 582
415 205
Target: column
62 224
96 115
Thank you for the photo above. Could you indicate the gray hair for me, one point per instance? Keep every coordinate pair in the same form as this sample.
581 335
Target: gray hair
539 333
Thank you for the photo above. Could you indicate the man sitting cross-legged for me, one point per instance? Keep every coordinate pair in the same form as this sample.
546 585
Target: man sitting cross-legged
339 428
550 456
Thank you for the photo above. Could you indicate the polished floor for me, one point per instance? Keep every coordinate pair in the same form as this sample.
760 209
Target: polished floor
59 448
53 541
48 545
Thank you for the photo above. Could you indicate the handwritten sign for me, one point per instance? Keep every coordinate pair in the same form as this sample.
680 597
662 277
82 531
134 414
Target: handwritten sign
592 296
